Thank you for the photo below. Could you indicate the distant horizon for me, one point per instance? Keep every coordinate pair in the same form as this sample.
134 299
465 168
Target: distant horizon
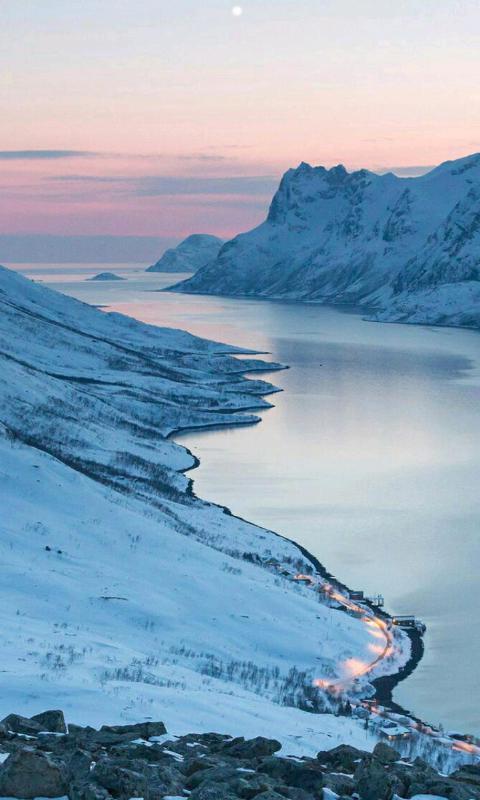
157 120
53 249
112 248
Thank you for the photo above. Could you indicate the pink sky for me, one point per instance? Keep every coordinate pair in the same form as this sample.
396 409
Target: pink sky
166 111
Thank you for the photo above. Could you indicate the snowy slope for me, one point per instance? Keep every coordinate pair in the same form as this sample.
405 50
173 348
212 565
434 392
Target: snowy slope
194 252
407 247
122 595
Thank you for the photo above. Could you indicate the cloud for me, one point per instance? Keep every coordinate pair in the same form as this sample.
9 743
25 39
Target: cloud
43 155
89 179
406 172
157 185
202 157
51 248
179 185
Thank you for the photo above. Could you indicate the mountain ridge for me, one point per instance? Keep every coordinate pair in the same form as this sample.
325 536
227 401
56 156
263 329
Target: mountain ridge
385 243
190 255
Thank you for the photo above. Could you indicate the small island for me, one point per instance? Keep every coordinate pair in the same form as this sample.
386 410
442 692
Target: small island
106 276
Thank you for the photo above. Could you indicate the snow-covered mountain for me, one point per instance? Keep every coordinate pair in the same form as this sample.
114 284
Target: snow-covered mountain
190 255
106 276
406 248
123 596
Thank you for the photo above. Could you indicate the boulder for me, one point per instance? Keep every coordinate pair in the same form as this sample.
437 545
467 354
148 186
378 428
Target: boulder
167 781
29 773
443 787
214 775
141 730
468 773
110 735
80 730
211 792
79 764
252 748
52 721
385 754
87 790
199 765
297 794
340 783
121 782
250 786
373 782
18 724
343 758
306 775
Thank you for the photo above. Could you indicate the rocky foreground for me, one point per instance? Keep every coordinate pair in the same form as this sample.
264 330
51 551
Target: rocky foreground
42 757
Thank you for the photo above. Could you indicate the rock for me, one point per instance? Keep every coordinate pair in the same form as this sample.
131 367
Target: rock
142 730
373 782
79 764
110 735
451 789
468 773
52 721
29 773
19 724
214 775
87 790
251 785
80 730
166 781
420 763
344 758
129 754
199 765
121 782
212 792
210 766
443 787
307 775
212 741
252 748
297 794
339 783
385 754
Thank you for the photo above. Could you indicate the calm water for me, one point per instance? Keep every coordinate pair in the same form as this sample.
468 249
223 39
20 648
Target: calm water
370 458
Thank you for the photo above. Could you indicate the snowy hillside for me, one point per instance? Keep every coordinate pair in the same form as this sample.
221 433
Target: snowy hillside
122 595
408 248
190 255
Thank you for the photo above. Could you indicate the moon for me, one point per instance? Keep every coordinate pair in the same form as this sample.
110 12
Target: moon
237 11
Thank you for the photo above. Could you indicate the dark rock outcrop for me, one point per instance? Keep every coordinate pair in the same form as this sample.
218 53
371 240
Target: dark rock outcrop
18 724
52 721
31 773
120 762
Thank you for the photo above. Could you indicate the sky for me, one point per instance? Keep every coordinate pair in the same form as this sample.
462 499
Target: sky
148 118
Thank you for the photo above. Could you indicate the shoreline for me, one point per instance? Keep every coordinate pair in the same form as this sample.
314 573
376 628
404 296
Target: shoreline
348 308
383 685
